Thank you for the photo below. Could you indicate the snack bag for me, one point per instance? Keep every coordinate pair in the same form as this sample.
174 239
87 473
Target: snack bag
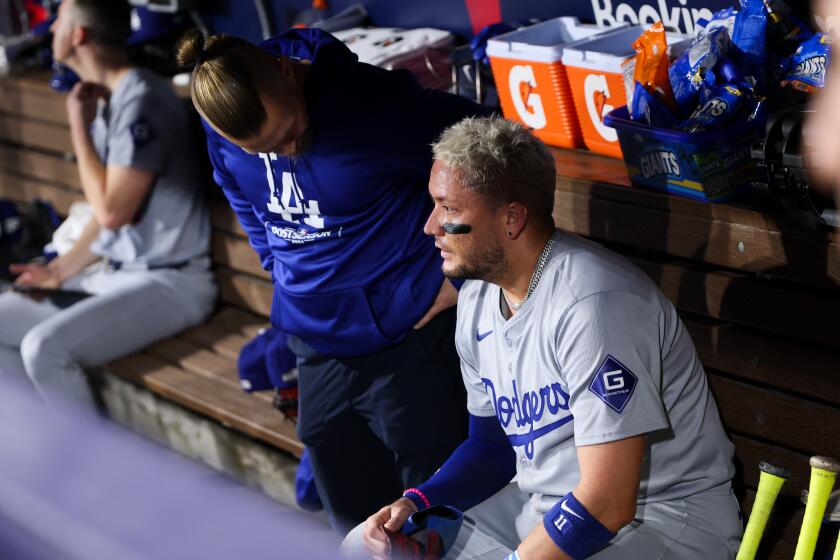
651 85
722 105
648 107
691 72
749 39
719 106
722 18
806 69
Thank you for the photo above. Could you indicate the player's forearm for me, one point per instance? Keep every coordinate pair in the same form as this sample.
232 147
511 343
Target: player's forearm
539 546
613 509
79 256
609 480
92 172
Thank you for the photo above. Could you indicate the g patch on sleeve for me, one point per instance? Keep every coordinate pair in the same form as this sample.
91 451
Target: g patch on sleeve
613 383
141 132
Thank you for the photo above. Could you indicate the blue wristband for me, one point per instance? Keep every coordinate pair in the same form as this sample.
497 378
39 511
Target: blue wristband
513 556
574 530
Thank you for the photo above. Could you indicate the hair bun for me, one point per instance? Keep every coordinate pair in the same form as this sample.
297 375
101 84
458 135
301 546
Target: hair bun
190 48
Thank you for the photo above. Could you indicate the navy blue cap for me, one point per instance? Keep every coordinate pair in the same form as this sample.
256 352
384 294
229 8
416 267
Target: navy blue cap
253 372
266 362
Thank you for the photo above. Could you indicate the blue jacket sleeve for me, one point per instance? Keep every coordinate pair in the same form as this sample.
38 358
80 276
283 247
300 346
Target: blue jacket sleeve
481 466
245 213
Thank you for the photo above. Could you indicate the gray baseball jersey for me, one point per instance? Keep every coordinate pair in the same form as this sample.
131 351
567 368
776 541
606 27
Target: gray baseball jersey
596 354
145 125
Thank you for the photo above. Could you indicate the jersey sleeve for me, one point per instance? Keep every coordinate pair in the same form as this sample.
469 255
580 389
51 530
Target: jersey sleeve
479 402
240 204
486 450
141 134
610 355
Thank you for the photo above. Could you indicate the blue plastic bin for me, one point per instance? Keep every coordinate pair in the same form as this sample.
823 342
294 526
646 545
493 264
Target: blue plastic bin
711 166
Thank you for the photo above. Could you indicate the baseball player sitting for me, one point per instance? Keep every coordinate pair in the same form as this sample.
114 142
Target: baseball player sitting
582 382
151 226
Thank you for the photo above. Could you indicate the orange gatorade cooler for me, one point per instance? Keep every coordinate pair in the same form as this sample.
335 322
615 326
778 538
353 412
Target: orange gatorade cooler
597 82
532 83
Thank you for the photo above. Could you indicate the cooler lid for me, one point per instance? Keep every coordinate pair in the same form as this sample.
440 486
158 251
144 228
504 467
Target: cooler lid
607 51
541 42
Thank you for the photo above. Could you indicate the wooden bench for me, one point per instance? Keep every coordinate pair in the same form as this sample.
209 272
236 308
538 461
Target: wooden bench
758 291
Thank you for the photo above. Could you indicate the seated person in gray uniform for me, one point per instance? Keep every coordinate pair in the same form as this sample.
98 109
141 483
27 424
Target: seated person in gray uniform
582 382
151 228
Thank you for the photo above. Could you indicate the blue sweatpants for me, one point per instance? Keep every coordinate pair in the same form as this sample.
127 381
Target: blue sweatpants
377 424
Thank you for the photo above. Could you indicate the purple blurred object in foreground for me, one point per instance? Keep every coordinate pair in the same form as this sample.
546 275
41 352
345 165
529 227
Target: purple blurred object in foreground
74 487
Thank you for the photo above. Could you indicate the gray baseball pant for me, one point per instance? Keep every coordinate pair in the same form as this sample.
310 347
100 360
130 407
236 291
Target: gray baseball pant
50 346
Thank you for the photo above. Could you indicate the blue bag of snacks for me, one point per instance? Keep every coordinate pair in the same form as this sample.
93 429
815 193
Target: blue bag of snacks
747 29
719 105
749 38
691 72
722 18
649 107
805 70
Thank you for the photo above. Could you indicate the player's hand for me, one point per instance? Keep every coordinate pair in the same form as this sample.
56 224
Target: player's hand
34 275
447 297
391 517
81 103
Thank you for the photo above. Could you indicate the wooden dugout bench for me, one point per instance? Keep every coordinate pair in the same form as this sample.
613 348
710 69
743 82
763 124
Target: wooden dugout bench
758 290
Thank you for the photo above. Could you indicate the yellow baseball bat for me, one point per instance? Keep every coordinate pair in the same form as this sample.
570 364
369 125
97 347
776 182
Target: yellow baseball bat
837 550
823 474
836 546
770 482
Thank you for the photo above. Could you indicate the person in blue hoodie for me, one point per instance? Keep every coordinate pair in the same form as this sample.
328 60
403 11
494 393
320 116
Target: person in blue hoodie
326 160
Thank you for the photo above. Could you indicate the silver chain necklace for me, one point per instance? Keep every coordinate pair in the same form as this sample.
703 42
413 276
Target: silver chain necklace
535 277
